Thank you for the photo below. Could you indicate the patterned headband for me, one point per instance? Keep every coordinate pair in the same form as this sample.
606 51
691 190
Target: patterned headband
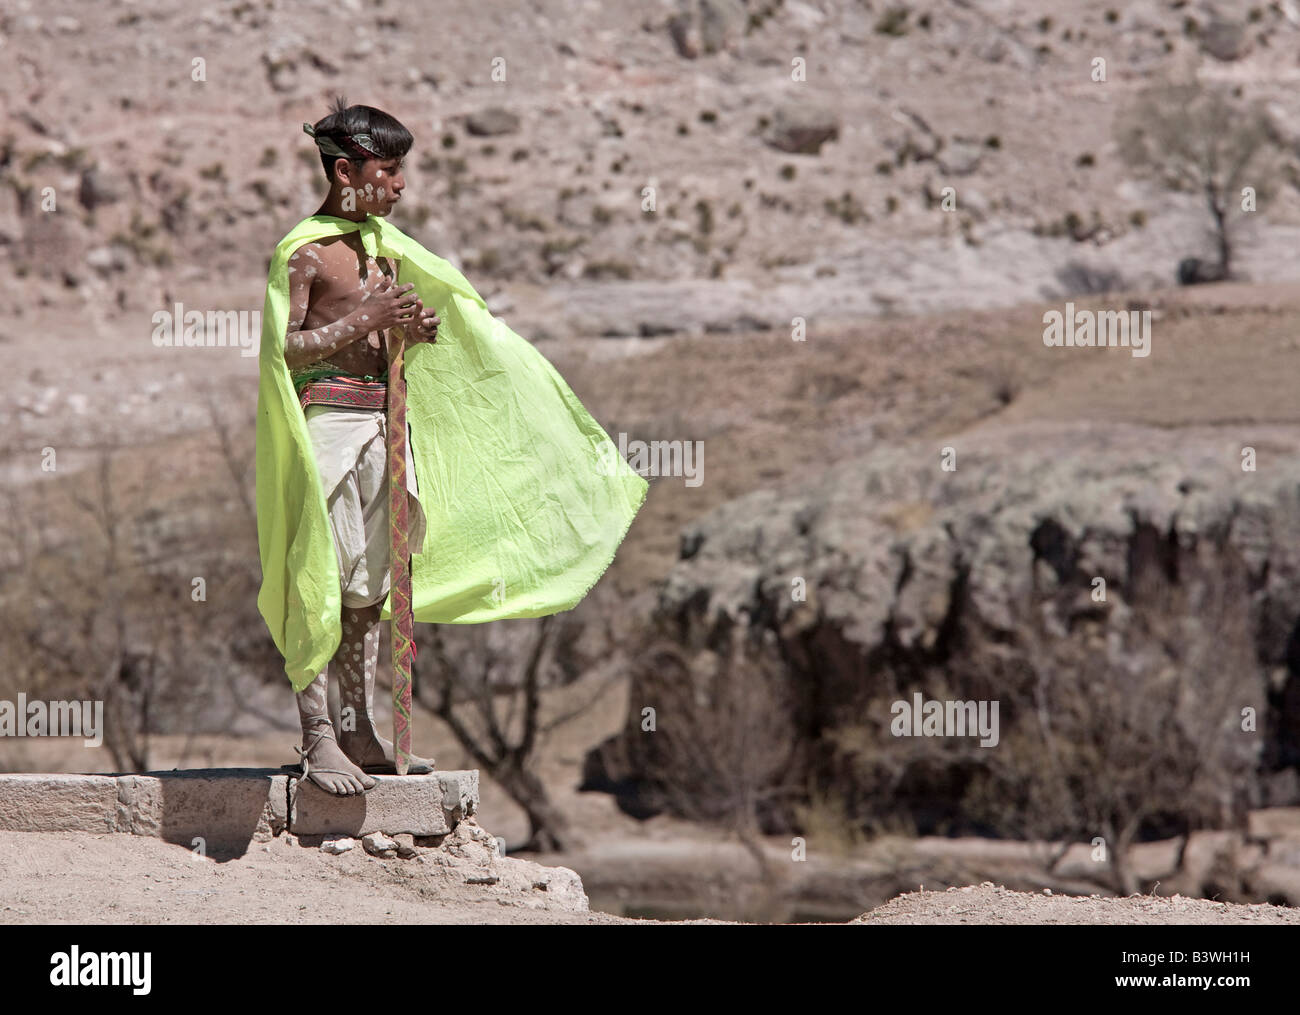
361 145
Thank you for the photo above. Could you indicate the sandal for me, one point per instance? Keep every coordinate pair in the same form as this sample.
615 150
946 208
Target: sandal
418 766
309 771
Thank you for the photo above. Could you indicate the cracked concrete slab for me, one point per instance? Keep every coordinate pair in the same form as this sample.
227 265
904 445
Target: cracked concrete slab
423 805
224 810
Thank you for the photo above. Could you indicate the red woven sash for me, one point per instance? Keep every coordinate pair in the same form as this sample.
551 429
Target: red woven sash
346 392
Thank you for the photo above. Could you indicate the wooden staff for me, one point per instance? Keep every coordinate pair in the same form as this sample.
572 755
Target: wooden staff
403 623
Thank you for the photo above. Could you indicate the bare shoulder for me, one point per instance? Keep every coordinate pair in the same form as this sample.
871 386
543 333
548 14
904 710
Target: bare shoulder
314 250
327 258
306 260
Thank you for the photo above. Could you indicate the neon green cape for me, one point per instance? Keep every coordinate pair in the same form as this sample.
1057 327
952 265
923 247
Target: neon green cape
525 495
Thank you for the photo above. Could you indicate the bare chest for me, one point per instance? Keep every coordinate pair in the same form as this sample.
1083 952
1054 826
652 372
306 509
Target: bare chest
335 293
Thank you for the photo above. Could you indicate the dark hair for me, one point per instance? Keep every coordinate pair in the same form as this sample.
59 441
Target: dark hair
389 139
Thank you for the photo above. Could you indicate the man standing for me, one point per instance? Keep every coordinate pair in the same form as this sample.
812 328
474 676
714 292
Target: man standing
523 513
342 303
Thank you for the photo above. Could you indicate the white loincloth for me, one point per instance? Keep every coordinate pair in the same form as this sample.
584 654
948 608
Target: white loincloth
351 454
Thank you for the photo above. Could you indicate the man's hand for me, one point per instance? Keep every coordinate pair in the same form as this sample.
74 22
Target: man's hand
425 328
385 305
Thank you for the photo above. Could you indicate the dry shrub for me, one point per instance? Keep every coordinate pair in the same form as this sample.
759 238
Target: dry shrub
1131 722
724 744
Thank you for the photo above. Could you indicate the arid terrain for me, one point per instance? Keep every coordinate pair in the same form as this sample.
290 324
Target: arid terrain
69 878
923 329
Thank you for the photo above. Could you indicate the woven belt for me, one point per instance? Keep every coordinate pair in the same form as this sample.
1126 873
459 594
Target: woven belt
345 392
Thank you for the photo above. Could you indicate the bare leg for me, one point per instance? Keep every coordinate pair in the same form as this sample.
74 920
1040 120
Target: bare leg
327 766
360 739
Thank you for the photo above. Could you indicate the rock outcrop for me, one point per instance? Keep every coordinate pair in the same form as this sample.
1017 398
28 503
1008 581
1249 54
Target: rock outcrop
1129 588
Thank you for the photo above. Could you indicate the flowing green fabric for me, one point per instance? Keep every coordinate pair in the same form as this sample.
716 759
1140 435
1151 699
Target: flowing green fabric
525 495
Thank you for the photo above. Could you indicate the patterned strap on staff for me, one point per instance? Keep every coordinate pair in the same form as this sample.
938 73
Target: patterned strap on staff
402 622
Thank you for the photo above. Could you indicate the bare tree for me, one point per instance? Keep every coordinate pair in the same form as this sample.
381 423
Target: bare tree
98 599
1116 719
1197 139
723 741
237 454
71 617
1119 725
490 697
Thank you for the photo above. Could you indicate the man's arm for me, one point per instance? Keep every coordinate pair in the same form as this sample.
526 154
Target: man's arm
382 305
303 347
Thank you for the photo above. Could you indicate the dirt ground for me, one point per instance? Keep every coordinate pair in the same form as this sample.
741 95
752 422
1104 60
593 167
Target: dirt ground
851 388
607 105
71 878
990 903
123 879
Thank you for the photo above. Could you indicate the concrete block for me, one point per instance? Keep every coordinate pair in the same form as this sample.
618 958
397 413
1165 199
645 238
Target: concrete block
226 807
1279 885
420 805
1150 861
229 808
58 803
1274 823
459 794
1077 864
1211 858
139 805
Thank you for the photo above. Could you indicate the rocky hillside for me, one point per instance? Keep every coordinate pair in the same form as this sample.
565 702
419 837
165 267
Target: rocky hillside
688 177
1128 594
673 166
